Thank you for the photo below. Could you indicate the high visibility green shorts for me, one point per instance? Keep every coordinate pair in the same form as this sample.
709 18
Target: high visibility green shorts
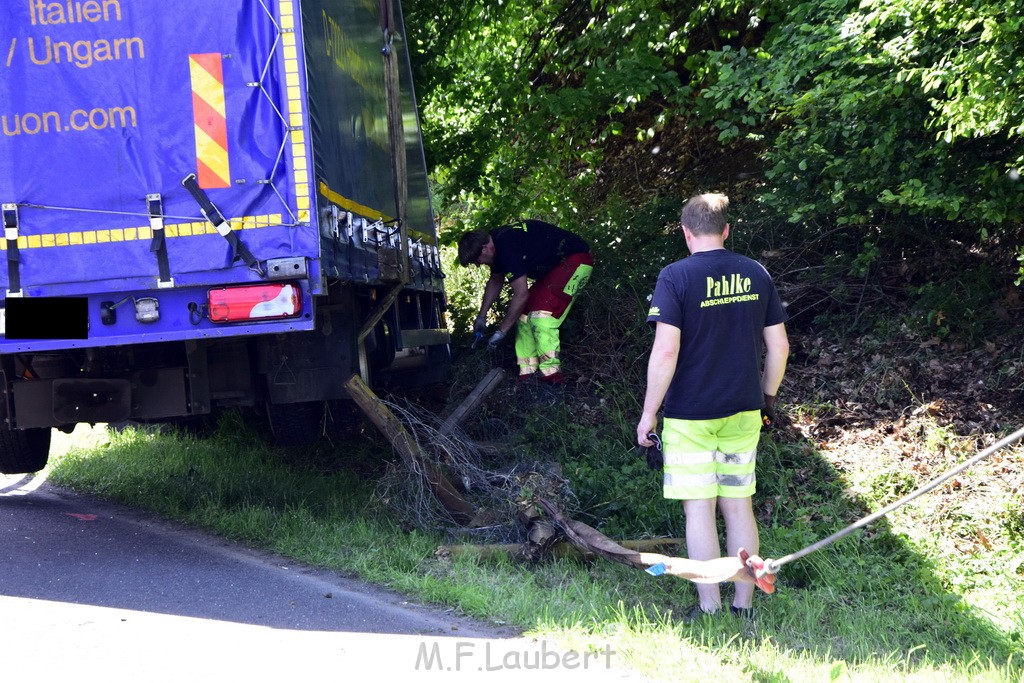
711 458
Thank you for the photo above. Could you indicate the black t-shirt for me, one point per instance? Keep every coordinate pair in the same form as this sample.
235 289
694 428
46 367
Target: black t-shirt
721 302
532 248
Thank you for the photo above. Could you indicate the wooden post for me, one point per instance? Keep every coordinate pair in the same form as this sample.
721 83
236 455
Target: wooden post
490 381
389 425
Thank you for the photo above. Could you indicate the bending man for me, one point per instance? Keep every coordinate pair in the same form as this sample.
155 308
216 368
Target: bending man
560 264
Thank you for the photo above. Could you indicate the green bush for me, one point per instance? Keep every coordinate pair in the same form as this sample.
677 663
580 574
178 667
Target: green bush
962 304
463 287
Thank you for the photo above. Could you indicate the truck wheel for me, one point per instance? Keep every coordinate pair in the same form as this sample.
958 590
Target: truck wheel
24 450
295 424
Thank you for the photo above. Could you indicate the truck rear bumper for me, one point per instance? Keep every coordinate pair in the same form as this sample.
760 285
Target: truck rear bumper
105 320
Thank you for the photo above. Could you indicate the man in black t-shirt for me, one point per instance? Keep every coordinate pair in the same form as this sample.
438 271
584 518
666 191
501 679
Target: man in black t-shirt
560 264
715 314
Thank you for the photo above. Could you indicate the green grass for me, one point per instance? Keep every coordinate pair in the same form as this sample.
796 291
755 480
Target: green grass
899 601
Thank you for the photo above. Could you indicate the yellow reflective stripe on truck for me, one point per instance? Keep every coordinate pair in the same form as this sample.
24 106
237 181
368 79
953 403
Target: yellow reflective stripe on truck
295 113
192 229
366 212
353 206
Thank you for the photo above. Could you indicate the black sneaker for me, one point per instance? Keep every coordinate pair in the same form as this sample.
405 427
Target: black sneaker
746 613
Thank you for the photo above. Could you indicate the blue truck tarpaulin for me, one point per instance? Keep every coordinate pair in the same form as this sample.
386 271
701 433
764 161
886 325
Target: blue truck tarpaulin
107 102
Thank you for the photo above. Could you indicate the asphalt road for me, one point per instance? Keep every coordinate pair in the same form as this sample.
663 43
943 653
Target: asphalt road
93 590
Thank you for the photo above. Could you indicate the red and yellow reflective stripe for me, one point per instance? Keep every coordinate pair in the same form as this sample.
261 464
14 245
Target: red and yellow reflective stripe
211 128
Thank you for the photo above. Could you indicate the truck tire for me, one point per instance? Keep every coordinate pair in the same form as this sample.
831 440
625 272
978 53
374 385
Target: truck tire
24 450
295 424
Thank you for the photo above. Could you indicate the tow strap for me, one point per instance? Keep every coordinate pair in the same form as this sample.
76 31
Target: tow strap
773 566
217 220
158 246
10 214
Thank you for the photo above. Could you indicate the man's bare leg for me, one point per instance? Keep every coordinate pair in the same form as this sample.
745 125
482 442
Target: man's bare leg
740 532
702 544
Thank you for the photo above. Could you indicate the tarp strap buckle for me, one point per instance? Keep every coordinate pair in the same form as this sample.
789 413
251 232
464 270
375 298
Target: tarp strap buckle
223 227
158 246
10 213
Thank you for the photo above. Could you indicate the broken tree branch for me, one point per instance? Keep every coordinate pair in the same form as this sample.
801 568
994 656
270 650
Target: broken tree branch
461 511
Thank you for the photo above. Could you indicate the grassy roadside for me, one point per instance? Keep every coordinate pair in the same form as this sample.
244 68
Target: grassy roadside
900 602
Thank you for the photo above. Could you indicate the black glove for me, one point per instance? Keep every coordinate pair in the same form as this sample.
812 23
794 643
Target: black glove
653 455
768 418
495 340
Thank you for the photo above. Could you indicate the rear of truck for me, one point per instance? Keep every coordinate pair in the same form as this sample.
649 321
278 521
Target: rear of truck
208 204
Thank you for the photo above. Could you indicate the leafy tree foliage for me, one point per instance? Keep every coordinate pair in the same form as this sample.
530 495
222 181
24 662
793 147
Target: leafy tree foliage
534 91
881 110
873 113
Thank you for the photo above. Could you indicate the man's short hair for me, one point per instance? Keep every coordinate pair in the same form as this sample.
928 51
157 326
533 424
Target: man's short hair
470 246
706 214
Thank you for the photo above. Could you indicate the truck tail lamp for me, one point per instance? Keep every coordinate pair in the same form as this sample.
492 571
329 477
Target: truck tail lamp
254 302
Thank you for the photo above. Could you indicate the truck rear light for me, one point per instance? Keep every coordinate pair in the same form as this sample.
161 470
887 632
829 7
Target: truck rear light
253 302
